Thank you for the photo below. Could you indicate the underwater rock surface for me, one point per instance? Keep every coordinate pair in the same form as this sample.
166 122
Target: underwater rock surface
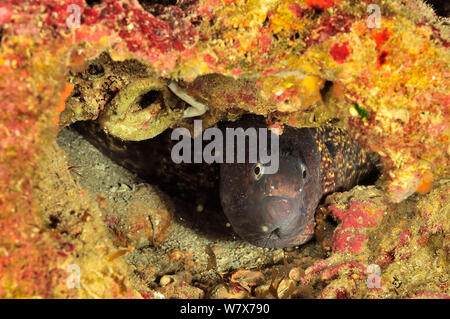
299 63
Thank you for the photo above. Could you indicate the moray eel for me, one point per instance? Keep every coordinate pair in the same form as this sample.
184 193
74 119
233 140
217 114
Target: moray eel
151 161
277 210
268 210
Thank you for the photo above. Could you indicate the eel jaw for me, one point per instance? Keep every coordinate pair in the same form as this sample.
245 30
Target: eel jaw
277 222
196 108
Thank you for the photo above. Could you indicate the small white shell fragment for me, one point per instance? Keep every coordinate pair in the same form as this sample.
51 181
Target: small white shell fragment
196 108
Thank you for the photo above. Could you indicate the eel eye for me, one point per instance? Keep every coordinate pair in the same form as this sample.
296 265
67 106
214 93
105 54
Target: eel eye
304 172
258 171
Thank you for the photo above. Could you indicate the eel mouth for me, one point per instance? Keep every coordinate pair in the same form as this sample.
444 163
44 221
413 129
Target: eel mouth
274 223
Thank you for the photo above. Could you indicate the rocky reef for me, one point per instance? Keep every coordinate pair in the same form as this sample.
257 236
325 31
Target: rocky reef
378 69
387 83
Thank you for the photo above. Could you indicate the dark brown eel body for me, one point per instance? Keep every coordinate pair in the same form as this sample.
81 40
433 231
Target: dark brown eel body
268 210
